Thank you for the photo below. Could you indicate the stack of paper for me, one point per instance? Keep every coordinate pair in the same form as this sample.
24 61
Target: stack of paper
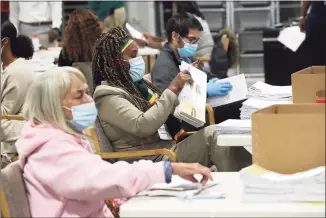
261 90
238 92
261 185
234 127
252 105
192 98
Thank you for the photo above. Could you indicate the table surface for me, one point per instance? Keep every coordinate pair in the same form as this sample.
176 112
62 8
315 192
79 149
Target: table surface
236 140
232 206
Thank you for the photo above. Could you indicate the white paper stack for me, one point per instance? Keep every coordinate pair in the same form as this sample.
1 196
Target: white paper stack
238 92
261 185
192 98
252 105
234 127
263 91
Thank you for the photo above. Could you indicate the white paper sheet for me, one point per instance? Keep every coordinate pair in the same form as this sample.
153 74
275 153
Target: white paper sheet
238 92
192 98
135 33
292 37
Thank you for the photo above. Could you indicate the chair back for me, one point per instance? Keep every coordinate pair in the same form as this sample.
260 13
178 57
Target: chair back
14 201
86 69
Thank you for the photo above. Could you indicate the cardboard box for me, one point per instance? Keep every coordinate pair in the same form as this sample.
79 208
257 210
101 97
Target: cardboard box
289 138
306 83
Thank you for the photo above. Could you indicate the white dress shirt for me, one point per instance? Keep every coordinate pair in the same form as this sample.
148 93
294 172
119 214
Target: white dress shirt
38 11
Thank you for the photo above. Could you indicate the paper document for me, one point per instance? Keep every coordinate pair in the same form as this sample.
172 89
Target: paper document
292 37
181 189
238 92
192 98
261 90
135 33
261 185
233 126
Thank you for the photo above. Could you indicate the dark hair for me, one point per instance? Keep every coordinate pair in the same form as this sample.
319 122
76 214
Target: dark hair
181 23
108 65
189 7
21 46
82 30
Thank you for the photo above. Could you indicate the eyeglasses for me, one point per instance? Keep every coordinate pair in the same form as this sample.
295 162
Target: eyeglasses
191 40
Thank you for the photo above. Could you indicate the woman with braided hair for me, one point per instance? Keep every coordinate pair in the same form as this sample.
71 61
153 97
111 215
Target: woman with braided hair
131 110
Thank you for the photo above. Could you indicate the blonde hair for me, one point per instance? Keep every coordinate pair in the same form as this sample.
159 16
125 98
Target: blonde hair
44 99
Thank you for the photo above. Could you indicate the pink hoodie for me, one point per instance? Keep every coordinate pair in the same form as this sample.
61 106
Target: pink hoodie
64 179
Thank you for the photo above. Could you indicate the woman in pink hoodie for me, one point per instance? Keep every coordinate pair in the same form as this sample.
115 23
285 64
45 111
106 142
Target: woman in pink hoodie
63 177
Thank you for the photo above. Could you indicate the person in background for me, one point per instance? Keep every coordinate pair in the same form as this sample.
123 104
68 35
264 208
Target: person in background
132 111
16 77
183 32
205 43
58 165
41 18
221 60
4 11
314 25
83 29
111 13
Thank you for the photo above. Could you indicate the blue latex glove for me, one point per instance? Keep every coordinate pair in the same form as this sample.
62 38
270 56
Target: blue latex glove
216 88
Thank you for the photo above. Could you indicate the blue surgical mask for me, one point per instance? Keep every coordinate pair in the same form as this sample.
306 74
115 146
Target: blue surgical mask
83 116
137 68
188 50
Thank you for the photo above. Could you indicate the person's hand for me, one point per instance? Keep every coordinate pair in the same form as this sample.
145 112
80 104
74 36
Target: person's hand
187 171
198 64
302 24
141 43
53 35
148 36
217 88
179 81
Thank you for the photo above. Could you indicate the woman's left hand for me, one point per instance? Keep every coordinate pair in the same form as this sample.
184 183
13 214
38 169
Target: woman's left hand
141 43
198 64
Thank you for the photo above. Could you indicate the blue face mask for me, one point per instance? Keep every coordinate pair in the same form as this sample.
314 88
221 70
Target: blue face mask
83 116
188 50
137 68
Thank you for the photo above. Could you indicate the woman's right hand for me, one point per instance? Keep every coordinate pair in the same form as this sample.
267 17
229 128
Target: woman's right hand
187 171
179 81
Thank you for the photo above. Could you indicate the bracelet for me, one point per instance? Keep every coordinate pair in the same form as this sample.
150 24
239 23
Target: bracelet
167 171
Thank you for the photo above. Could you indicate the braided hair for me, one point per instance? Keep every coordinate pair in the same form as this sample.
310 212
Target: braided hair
108 65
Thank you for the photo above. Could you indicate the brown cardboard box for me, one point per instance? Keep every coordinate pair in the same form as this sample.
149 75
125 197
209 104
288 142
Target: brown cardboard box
306 83
289 138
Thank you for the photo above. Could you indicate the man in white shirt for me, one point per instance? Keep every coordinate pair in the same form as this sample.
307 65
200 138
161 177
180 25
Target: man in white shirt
41 18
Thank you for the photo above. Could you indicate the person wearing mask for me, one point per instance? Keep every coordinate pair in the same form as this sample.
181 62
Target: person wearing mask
221 60
205 43
111 13
16 77
314 25
58 165
183 32
41 18
132 111
83 29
